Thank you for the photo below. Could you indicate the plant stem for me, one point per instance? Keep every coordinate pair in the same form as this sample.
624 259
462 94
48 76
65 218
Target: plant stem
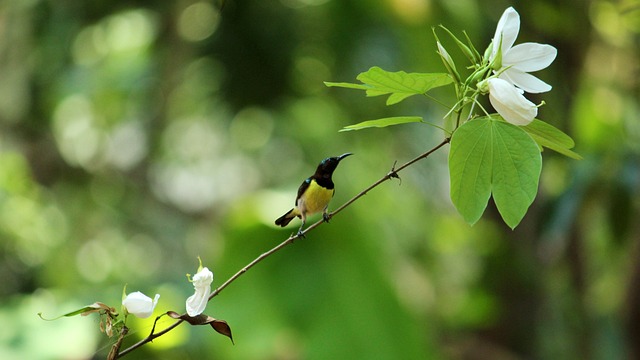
393 173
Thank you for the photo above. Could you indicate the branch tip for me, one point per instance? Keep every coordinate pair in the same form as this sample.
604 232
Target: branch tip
393 173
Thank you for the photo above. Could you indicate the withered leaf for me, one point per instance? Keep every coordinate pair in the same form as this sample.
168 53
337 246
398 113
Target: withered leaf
223 328
96 307
220 326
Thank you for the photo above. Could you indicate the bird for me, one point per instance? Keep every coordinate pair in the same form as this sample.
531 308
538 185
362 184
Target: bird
314 194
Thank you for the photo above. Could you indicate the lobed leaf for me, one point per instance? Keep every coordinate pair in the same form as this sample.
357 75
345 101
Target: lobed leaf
492 157
398 85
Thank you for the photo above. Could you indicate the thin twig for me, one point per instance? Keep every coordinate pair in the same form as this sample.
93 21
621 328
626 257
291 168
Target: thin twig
113 354
393 173
149 338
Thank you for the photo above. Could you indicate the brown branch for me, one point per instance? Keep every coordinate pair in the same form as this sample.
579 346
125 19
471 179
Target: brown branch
149 338
113 354
393 173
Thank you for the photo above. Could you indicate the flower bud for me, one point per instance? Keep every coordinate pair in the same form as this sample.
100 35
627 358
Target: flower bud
448 61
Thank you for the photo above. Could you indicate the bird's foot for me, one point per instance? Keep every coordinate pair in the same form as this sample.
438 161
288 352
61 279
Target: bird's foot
326 217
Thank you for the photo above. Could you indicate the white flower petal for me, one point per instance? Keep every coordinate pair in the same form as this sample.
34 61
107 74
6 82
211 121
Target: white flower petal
204 277
510 103
507 30
525 81
197 302
529 57
517 61
140 304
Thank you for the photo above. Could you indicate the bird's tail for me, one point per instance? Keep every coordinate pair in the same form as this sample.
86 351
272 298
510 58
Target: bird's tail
286 218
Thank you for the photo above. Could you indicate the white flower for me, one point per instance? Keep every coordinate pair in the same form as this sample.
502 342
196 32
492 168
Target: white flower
140 304
510 103
197 302
517 61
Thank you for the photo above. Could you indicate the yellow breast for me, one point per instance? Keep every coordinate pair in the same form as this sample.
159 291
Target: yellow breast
315 199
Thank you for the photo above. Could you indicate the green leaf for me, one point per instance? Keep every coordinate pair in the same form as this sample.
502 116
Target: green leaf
384 122
551 137
95 307
398 85
492 157
346 85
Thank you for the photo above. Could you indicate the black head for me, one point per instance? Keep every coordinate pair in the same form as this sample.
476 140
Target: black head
328 165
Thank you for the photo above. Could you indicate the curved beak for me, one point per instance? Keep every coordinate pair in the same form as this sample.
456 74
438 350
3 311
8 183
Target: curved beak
344 156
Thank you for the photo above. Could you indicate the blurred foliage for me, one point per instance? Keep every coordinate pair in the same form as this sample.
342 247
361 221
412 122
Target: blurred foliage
138 135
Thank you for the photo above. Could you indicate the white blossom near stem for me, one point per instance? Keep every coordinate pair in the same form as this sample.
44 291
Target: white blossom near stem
197 302
510 103
518 61
139 304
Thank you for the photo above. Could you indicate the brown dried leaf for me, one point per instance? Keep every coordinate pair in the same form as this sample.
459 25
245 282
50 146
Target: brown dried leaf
173 314
219 326
201 319
223 328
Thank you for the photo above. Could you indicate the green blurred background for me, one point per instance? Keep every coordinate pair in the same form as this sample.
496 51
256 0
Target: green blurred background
137 135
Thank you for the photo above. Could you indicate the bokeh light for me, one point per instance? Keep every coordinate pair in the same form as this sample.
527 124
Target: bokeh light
136 137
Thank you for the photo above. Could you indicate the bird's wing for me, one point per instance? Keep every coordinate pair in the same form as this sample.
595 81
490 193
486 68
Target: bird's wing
303 187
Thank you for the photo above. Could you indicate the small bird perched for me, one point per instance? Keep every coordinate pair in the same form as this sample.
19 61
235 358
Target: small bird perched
314 194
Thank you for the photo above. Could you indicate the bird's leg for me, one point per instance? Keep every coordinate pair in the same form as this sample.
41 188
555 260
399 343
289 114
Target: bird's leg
325 216
300 234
